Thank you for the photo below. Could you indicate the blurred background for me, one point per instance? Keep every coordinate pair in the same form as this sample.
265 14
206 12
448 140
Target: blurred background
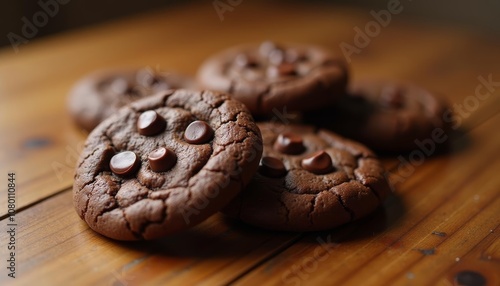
479 16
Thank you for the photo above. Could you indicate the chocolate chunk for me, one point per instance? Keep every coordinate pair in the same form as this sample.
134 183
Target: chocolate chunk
150 123
272 167
162 159
198 132
318 163
285 69
289 143
124 163
469 278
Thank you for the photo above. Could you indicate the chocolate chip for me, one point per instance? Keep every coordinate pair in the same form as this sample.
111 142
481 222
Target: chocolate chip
245 61
318 163
285 69
272 167
198 132
266 48
276 57
162 159
391 97
124 163
150 123
469 278
289 143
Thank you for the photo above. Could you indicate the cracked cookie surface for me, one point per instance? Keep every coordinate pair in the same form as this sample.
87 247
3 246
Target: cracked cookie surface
386 116
269 76
100 94
165 163
309 180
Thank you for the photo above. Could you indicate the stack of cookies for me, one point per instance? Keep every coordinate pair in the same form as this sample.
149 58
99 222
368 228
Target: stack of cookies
165 152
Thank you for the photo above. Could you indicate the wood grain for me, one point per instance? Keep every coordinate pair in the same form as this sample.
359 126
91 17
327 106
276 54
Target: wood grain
443 218
52 237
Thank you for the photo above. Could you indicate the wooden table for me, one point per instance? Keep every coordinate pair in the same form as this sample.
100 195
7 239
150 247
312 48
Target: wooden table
443 218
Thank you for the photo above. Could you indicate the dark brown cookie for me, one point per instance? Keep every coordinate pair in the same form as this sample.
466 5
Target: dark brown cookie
386 116
268 76
165 163
102 93
310 180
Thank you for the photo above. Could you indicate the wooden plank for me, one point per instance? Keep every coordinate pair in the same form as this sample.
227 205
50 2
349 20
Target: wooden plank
454 250
463 230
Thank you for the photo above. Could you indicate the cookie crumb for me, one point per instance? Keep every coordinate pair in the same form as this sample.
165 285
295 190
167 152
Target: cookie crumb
457 259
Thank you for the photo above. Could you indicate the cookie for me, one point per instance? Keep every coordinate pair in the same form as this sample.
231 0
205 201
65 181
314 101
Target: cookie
386 116
308 180
165 163
102 93
269 76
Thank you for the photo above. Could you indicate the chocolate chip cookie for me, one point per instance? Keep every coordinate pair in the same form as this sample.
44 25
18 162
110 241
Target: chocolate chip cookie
102 93
165 163
310 179
386 116
271 76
